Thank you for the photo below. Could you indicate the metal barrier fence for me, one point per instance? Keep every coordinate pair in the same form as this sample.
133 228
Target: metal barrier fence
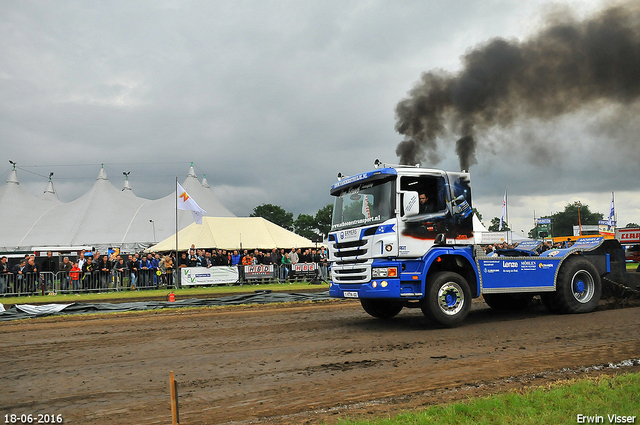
27 283
42 283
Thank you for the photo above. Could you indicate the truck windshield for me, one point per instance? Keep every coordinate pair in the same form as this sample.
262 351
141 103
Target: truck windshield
364 203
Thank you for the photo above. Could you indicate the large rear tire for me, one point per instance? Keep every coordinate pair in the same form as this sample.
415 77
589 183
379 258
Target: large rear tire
508 302
382 309
448 299
578 288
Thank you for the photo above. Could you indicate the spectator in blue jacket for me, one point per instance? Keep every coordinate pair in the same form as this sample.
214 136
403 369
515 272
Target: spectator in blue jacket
155 263
144 269
235 258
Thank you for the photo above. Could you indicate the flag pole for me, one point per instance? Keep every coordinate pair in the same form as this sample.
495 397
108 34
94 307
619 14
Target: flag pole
613 201
177 253
506 206
503 213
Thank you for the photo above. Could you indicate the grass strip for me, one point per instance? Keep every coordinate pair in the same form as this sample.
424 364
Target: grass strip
598 398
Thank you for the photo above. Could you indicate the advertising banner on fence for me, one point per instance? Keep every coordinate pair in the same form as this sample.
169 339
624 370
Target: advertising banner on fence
218 275
259 271
304 267
304 270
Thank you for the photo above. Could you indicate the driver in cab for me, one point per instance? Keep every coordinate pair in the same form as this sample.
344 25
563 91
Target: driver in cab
426 207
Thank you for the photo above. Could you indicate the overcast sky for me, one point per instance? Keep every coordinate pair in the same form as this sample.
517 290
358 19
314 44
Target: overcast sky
272 99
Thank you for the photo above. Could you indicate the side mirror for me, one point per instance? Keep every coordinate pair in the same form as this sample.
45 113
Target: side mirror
410 204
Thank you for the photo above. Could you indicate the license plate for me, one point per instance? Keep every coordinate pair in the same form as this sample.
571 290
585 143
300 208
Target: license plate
350 294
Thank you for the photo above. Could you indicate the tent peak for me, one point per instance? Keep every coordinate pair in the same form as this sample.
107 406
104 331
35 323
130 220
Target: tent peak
205 183
50 192
102 175
13 176
126 186
192 172
50 188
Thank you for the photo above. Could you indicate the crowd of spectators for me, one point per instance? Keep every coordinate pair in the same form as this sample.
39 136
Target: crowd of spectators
23 275
91 271
282 259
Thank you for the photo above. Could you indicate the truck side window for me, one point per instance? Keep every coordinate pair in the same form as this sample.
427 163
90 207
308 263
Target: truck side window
431 191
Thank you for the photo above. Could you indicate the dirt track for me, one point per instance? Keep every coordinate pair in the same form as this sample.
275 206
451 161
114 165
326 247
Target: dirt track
301 363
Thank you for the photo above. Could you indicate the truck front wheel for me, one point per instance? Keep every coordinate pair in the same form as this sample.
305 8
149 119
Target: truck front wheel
448 298
578 288
382 309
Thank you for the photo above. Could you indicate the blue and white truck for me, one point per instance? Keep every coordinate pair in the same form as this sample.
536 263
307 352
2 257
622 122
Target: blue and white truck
402 237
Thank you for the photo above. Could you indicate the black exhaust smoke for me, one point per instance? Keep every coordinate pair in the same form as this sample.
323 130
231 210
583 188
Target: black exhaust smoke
564 67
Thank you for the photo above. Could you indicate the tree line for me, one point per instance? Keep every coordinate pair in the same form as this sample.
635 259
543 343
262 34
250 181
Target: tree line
306 225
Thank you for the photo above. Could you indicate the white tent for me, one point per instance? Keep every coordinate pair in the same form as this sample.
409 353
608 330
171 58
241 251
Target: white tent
233 233
103 217
19 211
99 217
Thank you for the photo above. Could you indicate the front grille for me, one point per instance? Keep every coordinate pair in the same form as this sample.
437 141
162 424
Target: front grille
349 279
351 273
358 261
351 251
352 244
350 262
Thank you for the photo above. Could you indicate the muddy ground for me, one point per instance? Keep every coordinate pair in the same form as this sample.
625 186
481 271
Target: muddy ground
296 363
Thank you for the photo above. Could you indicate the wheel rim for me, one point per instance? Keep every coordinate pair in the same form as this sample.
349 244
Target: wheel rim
583 286
450 298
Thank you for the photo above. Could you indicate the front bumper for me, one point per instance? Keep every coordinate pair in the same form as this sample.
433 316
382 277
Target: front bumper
378 288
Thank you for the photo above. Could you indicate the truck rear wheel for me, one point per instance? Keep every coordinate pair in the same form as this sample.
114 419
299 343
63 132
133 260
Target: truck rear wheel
578 288
382 309
448 299
508 302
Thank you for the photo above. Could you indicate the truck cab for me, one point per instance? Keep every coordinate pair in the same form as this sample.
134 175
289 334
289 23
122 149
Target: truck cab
395 226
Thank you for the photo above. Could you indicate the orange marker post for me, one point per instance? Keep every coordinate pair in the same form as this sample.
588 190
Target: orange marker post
173 387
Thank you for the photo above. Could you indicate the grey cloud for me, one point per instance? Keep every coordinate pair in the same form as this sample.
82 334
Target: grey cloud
270 100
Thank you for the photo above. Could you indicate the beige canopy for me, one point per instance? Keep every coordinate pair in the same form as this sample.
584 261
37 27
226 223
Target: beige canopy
233 233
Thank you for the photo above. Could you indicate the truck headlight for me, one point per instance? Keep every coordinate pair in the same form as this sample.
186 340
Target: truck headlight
384 272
